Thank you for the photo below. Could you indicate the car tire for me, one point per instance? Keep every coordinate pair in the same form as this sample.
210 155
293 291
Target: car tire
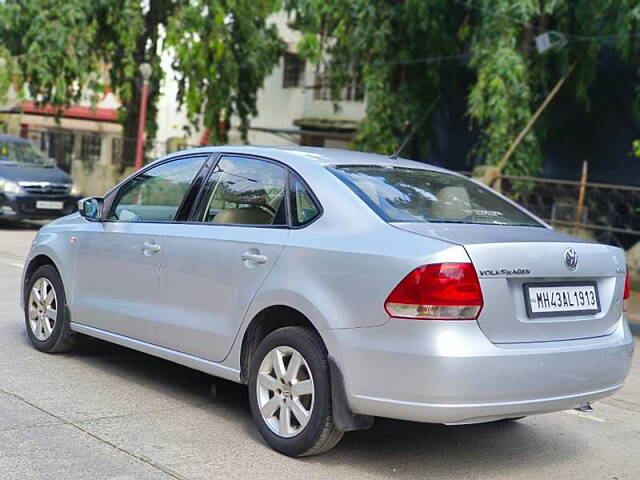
317 433
46 333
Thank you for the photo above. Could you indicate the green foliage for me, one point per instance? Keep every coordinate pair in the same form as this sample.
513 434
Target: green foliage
50 64
223 54
378 42
7 73
122 29
406 53
500 99
409 51
222 51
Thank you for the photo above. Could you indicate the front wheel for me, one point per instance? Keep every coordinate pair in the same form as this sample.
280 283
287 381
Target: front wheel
46 313
290 393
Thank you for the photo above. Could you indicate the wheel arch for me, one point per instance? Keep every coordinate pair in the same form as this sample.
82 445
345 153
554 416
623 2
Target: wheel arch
36 262
273 317
262 324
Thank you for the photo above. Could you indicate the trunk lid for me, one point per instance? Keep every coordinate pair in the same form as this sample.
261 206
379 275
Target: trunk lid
508 258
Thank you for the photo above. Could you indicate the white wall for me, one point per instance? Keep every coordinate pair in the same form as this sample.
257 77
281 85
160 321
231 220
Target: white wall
171 119
277 107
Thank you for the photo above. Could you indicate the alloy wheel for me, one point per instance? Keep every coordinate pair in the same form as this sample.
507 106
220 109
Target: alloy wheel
285 391
43 309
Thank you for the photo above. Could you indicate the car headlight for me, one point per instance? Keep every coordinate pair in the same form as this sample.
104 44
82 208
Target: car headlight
8 186
74 190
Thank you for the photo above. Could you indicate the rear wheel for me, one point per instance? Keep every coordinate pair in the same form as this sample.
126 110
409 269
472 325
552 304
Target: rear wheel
46 313
290 393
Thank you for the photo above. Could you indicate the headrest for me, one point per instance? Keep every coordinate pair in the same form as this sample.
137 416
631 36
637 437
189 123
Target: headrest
244 216
256 197
453 203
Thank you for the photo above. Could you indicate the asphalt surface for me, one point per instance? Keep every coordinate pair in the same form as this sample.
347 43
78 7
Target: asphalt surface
110 413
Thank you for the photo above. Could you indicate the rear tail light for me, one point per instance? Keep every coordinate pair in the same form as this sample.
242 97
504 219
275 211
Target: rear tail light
441 291
627 291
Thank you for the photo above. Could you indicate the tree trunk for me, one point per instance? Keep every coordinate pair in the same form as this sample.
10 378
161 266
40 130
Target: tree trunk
527 39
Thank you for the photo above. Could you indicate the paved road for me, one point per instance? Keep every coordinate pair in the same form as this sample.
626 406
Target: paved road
107 412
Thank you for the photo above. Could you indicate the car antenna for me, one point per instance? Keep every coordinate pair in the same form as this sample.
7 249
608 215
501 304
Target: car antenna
394 155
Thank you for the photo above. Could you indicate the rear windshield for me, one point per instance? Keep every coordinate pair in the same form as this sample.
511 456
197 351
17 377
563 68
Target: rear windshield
415 195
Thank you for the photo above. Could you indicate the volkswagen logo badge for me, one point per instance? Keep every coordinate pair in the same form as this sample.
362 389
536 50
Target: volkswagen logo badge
570 259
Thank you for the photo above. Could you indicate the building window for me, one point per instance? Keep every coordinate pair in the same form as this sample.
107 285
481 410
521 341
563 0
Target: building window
353 91
90 146
123 152
61 144
293 72
321 88
57 144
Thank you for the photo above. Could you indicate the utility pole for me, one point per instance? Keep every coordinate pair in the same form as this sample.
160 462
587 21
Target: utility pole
145 73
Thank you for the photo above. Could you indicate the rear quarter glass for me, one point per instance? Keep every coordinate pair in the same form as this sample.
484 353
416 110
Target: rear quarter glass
400 194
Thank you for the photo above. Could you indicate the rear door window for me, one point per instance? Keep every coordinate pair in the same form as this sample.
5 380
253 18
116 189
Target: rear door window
401 194
303 208
244 191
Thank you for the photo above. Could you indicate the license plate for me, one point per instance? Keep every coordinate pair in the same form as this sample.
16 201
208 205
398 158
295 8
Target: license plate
49 205
561 299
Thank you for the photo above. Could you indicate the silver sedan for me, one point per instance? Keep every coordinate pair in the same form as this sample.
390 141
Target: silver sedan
339 286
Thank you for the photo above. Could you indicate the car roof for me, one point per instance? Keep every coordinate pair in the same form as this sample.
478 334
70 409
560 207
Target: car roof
295 154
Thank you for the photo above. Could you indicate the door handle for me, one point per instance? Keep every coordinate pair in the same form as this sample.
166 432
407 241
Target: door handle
254 258
148 247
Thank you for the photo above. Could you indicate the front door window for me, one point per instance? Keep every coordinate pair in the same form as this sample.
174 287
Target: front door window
156 194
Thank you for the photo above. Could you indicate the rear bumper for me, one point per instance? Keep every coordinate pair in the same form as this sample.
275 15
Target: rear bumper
23 206
448 372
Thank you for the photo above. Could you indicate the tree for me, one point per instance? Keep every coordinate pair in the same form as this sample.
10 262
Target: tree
221 49
409 51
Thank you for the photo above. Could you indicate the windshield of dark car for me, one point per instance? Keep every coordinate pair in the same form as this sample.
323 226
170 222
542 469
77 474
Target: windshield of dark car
401 194
22 153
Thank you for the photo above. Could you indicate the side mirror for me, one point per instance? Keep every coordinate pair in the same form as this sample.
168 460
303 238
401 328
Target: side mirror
91 208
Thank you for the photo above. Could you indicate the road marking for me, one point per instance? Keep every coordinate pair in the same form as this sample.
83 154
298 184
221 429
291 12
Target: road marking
12 256
588 416
12 264
11 259
620 404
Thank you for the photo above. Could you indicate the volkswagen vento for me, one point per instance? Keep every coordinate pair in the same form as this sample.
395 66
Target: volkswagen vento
339 286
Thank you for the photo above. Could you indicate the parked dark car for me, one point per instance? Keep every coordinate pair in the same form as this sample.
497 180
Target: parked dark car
31 185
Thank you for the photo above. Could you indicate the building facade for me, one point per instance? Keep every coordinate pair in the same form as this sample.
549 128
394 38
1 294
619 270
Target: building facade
293 105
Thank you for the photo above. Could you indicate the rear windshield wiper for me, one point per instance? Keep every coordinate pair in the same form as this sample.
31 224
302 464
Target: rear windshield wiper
525 225
450 221
486 223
